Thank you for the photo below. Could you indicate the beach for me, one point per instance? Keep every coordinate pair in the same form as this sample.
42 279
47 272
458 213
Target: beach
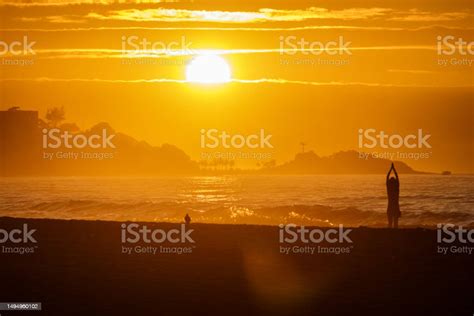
79 267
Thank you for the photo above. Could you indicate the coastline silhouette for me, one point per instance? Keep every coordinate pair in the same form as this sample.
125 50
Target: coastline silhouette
393 194
22 153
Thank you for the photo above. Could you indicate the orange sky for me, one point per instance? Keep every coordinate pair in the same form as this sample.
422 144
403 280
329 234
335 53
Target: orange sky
392 80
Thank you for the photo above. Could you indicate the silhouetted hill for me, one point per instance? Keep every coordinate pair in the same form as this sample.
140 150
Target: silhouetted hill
31 146
129 157
343 162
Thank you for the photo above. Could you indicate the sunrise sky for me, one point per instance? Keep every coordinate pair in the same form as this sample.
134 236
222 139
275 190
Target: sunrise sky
393 78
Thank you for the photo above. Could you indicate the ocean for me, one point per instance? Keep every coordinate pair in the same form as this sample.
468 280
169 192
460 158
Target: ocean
323 200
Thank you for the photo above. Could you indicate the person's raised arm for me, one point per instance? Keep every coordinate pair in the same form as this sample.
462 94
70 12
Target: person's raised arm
395 171
388 174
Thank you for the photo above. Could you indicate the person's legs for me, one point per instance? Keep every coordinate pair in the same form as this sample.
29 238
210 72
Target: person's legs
389 217
395 221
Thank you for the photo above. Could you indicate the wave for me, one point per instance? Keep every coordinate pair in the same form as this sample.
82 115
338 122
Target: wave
173 211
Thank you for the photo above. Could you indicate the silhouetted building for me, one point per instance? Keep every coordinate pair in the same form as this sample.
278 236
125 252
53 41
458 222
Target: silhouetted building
20 142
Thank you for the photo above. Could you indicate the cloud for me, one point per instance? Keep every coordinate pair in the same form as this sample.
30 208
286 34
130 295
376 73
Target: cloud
54 19
101 53
174 15
63 3
274 15
262 15
243 29
259 16
413 71
415 15
323 13
239 81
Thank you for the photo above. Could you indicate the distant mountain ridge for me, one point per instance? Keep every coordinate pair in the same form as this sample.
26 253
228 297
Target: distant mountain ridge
343 162
130 157
31 146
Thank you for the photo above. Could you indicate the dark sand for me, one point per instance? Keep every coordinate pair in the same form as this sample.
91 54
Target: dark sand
78 269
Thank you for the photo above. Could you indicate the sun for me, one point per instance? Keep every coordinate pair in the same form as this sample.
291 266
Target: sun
208 69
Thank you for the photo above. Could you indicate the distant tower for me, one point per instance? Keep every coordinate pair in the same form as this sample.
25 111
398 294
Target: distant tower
303 144
20 142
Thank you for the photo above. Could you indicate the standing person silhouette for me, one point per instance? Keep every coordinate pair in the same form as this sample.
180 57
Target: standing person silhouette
187 219
393 193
